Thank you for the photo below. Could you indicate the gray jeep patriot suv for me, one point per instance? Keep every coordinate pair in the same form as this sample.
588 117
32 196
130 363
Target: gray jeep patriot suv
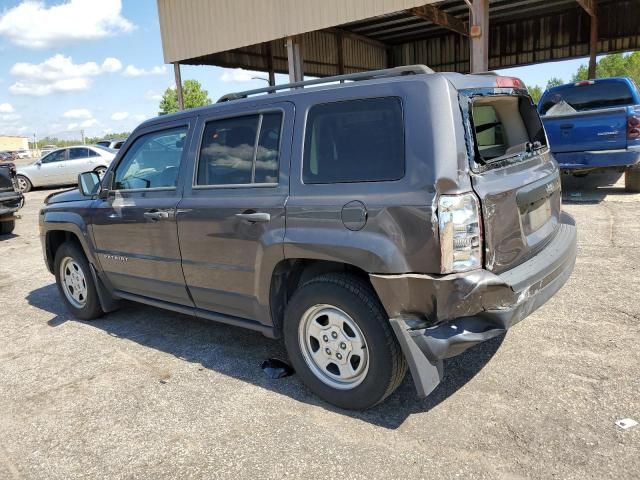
385 222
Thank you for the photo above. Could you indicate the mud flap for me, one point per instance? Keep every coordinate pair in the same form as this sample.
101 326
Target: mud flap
426 375
107 302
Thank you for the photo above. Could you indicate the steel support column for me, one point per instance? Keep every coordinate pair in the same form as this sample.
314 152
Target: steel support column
479 33
294 59
176 72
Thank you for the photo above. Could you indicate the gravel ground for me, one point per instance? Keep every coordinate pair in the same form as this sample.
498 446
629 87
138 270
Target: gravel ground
145 393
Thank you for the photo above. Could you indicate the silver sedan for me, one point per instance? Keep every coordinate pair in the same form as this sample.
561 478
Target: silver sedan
62 166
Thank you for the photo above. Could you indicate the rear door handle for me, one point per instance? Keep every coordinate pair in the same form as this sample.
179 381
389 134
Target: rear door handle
156 215
255 217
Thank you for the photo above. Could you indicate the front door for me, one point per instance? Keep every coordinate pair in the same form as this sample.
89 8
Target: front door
80 160
135 227
51 169
231 220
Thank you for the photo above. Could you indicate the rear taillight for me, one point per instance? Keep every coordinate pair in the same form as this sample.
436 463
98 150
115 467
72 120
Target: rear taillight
633 127
584 83
512 82
460 233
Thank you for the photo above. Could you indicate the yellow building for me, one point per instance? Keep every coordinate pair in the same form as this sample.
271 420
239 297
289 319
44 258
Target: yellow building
11 142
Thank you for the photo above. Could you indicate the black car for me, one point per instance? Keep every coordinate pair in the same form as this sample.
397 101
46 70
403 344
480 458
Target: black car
11 200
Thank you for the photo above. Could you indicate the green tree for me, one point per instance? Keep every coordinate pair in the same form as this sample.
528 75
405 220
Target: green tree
194 96
554 82
535 92
616 65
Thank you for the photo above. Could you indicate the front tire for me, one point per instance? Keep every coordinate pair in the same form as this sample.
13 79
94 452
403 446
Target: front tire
7 226
75 282
24 184
340 342
632 179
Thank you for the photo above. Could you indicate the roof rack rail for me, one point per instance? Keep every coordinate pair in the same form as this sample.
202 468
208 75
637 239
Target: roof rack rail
388 72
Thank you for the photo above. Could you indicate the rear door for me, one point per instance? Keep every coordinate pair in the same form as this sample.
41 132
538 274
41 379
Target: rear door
231 220
515 176
79 162
134 228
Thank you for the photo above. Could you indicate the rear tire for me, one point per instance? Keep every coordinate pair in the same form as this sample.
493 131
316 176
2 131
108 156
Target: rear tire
24 184
7 226
632 179
75 282
340 342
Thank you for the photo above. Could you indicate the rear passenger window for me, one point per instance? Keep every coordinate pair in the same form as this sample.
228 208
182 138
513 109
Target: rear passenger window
354 141
240 151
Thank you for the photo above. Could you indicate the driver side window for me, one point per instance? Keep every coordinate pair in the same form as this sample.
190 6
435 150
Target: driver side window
57 156
152 161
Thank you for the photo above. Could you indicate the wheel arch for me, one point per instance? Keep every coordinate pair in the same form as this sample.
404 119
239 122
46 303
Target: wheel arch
291 273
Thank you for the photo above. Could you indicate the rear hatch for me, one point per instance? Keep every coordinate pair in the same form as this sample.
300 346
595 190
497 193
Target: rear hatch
587 116
514 175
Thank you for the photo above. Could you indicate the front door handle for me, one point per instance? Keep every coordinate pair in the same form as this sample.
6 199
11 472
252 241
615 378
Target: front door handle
255 217
156 215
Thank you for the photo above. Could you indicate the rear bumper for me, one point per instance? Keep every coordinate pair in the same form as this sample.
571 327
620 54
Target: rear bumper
11 203
437 317
598 159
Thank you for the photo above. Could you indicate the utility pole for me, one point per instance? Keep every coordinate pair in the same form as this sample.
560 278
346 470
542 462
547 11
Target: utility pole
82 135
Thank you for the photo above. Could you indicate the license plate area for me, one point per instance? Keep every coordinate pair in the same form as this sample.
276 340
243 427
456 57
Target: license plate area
539 216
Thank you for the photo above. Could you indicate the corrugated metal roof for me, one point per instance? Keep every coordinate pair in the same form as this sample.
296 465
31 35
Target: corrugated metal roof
203 27
382 33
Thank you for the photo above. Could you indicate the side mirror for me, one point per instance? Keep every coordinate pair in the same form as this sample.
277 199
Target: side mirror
105 184
39 162
89 183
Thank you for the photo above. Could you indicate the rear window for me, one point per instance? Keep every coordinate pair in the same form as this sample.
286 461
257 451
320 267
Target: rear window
586 97
354 141
505 125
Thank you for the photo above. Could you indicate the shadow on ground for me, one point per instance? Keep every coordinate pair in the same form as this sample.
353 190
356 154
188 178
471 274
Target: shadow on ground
238 353
592 188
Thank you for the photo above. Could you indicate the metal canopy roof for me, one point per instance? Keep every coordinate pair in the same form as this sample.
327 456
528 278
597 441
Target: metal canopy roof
521 32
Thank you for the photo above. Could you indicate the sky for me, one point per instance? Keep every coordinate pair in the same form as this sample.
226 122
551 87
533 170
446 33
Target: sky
96 66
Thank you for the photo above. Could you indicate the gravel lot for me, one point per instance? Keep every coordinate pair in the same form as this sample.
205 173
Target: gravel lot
145 393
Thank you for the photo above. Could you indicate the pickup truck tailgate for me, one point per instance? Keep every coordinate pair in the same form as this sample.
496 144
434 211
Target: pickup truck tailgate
590 130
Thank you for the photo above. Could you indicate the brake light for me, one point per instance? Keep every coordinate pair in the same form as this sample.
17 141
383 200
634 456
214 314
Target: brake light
460 233
509 82
584 83
633 127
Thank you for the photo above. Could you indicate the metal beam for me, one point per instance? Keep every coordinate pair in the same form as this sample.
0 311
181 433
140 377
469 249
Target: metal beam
437 16
356 36
589 6
176 72
295 60
479 33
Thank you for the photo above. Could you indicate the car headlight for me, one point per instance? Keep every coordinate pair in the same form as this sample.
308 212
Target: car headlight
460 233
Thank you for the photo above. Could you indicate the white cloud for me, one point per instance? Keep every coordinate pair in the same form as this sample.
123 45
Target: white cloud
111 65
239 75
133 71
151 95
77 113
140 117
90 122
6 108
58 74
32 24
119 116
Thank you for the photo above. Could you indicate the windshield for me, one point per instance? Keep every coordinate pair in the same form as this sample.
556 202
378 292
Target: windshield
585 96
505 126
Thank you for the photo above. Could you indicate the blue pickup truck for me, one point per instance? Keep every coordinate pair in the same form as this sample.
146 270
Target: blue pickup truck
595 125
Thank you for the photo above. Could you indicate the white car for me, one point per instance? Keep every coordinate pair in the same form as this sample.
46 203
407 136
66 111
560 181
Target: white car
62 166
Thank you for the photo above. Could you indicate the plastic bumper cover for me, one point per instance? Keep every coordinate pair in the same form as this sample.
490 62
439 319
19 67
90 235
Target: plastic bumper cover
440 317
11 203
